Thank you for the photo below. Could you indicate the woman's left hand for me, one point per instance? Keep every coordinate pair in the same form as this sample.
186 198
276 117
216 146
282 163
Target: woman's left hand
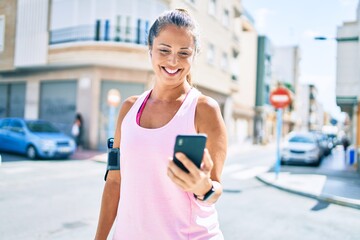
197 181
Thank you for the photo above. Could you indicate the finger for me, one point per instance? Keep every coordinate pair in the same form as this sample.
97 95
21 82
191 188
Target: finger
181 174
207 163
193 169
178 181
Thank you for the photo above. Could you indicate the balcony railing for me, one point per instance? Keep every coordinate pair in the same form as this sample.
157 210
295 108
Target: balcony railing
96 32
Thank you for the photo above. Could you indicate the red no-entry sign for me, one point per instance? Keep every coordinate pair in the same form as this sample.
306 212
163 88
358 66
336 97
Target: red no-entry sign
280 97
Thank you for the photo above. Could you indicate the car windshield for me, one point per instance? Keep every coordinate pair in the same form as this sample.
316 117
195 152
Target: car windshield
41 127
301 139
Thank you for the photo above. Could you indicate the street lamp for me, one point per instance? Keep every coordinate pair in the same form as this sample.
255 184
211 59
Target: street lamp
338 39
113 100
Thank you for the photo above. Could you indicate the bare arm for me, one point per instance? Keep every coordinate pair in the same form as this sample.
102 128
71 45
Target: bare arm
207 109
208 120
111 193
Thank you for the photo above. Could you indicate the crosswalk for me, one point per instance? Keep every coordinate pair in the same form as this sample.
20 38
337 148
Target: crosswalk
243 172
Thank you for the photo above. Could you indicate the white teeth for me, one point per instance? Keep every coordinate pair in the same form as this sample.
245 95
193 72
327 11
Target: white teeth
171 71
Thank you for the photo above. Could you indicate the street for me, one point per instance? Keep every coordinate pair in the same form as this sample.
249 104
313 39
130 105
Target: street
60 200
251 210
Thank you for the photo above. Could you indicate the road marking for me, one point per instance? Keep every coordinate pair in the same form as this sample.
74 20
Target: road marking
249 173
232 168
15 170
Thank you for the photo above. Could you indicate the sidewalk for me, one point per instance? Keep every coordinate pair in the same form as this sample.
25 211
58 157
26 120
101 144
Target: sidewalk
333 181
86 154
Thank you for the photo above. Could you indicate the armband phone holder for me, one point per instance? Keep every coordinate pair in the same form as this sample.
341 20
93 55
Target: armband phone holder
113 161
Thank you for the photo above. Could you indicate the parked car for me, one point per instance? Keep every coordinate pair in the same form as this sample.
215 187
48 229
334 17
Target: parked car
325 143
34 138
301 147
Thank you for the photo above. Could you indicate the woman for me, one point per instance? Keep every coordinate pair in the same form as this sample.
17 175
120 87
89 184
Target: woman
151 197
77 130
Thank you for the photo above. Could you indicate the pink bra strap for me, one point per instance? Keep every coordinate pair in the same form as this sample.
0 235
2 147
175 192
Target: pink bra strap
141 109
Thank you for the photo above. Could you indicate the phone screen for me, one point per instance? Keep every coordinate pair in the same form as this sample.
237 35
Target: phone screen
192 146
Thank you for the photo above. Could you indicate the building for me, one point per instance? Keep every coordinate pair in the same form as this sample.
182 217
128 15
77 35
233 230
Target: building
316 110
309 114
264 119
348 74
60 57
286 71
243 99
286 66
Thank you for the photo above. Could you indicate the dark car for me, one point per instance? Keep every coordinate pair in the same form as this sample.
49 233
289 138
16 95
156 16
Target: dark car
34 138
324 142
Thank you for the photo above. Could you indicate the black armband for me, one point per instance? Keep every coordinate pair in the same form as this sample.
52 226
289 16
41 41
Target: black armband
113 162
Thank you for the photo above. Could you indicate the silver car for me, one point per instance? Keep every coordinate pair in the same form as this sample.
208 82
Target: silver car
301 147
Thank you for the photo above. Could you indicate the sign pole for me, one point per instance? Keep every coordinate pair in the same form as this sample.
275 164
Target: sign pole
280 98
278 138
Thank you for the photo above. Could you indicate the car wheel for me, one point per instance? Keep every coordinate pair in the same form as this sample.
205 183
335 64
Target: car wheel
31 152
317 163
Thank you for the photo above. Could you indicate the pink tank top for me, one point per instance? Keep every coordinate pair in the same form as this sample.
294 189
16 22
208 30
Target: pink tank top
151 206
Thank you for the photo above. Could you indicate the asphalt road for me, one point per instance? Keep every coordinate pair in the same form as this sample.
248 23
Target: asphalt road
60 200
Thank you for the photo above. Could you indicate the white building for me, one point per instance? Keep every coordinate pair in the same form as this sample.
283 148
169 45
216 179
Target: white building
309 113
348 73
286 64
60 57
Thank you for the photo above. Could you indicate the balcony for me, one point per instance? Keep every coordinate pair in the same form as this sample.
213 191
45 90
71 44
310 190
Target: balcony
122 47
100 32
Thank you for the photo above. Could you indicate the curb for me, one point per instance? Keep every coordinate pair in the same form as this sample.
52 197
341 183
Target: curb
322 197
102 158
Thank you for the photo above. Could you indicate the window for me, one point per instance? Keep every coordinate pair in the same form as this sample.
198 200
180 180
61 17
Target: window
224 61
58 103
211 54
2 32
212 7
12 100
226 18
4 124
16 126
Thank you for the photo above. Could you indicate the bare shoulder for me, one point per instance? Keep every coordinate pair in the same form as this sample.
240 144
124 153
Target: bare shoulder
208 115
129 102
125 107
207 105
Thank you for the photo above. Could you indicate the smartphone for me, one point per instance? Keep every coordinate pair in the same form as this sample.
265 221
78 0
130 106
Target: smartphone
112 153
110 142
192 146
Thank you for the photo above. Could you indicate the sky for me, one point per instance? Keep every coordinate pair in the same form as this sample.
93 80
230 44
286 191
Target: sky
289 23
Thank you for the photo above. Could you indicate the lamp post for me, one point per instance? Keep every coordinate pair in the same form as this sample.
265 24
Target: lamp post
113 100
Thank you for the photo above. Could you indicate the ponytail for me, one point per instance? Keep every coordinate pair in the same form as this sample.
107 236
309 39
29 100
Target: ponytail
188 79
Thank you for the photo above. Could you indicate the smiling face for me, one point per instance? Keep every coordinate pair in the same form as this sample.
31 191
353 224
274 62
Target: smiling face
172 55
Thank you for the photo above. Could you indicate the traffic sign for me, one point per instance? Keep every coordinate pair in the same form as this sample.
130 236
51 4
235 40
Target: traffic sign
280 97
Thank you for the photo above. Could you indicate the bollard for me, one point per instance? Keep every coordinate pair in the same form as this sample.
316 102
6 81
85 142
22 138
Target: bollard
358 157
351 155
